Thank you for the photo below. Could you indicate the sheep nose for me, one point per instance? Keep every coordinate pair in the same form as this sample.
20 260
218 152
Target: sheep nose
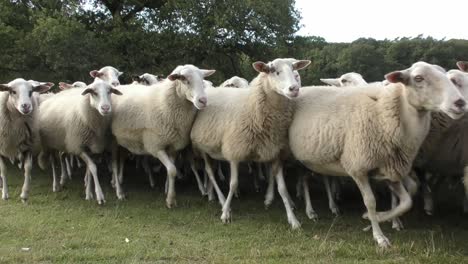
105 108
460 103
293 88
115 84
203 101
25 107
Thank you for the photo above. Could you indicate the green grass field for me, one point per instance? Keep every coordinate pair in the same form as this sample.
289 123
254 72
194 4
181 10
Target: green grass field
64 228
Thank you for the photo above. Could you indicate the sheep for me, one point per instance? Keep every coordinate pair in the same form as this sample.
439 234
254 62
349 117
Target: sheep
65 86
77 121
108 74
347 79
443 151
372 132
147 79
250 125
19 133
235 82
156 120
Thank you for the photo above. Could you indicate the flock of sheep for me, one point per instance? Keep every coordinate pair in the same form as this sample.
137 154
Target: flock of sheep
382 130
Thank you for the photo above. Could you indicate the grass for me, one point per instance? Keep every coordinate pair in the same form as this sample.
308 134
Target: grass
64 228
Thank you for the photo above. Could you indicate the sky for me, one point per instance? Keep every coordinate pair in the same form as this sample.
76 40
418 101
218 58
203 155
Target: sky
348 20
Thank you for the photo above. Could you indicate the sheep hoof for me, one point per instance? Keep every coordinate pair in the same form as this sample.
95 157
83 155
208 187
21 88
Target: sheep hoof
89 197
171 203
24 200
5 196
367 228
226 217
56 188
365 216
101 202
429 212
295 225
312 215
335 211
382 241
121 197
397 224
268 202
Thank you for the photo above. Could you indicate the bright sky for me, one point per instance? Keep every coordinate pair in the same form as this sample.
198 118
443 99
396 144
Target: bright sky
348 20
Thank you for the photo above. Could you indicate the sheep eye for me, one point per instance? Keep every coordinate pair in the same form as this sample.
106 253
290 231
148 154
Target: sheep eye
30 93
344 81
12 92
454 81
277 73
418 78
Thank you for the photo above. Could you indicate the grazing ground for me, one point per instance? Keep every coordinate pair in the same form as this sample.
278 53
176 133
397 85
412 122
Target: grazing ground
64 228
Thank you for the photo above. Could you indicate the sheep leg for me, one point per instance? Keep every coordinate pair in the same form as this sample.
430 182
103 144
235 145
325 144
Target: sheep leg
68 167
220 171
261 175
197 177
465 184
283 191
299 187
146 167
211 176
270 194
88 190
255 182
310 212
63 172
93 171
369 200
55 181
331 198
226 215
27 176
3 172
427 195
171 174
396 222
78 162
122 158
115 173
210 192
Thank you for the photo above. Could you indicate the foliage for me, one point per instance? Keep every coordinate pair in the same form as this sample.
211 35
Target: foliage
59 40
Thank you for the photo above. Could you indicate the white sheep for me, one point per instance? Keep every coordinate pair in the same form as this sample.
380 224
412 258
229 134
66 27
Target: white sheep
65 86
77 121
347 79
156 120
250 125
235 82
18 128
147 79
443 152
373 131
108 74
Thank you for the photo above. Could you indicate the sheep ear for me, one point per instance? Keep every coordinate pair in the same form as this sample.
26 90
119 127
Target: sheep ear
65 86
87 91
4 87
160 77
43 87
207 73
397 77
95 73
462 65
260 66
120 73
176 76
301 64
115 91
332 82
136 78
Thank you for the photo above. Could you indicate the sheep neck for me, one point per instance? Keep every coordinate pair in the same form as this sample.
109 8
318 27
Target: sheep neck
90 116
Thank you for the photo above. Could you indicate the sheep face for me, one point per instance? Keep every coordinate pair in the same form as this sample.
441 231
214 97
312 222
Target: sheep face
66 86
280 75
192 78
100 96
347 79
236 82
108 74
428 88
460 80
147 79
20 93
